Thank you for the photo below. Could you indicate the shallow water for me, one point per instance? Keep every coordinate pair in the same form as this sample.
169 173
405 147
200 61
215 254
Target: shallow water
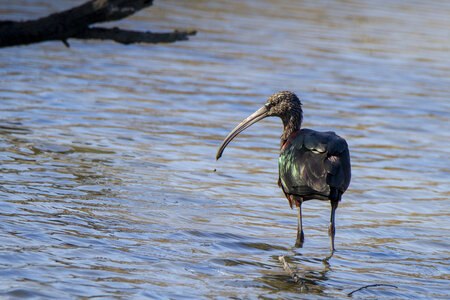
107 153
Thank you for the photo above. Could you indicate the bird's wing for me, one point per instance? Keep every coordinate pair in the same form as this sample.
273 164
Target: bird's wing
337 159
313 163
301 165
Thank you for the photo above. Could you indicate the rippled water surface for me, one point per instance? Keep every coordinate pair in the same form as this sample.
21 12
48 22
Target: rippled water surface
108 186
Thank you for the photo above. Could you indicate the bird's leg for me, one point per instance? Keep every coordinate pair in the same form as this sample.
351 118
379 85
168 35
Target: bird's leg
300 235
331 228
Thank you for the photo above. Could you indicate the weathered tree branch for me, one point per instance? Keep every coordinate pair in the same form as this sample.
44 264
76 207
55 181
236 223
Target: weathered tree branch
76 22
291 273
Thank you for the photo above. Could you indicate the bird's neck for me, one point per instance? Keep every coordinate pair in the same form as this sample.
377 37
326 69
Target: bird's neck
291 123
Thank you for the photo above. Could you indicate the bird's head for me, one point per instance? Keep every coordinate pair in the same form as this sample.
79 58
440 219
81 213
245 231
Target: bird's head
285 105
282 104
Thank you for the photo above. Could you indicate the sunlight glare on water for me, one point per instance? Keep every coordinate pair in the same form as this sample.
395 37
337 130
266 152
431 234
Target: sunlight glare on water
107 153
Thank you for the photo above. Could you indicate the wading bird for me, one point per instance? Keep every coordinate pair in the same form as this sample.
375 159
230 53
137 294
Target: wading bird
311 165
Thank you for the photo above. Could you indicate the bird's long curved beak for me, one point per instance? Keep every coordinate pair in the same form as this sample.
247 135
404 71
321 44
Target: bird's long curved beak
250 120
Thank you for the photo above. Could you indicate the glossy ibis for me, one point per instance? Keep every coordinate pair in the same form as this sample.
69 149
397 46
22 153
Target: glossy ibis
312 164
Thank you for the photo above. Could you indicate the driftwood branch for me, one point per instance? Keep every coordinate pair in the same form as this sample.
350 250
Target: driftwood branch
76 23
291 273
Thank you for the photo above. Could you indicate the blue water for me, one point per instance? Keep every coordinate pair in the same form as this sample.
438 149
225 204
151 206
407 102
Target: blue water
107 154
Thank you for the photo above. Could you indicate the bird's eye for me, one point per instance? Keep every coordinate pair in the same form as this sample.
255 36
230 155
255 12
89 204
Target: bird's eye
267 105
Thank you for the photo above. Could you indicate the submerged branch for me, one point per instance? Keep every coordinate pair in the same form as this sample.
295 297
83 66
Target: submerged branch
370 285
291 273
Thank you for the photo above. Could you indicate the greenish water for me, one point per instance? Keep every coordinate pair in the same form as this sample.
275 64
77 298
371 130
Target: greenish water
107 154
